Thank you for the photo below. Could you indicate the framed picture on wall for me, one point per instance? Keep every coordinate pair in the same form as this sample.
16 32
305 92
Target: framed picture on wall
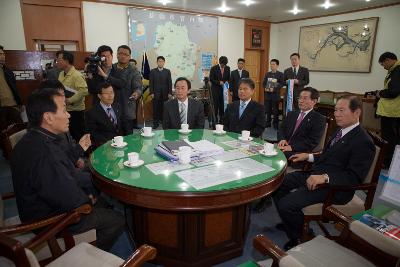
256 35
346 46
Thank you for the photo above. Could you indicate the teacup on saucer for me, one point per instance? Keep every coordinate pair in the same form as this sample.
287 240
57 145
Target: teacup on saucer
245 140
135 164
124 144
219 132
269 153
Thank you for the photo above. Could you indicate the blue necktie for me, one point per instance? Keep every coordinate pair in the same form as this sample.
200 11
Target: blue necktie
242 108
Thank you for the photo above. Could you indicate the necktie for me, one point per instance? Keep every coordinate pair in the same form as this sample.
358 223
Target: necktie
110 116
240 74
337 138
295 72
299 120
182 112
242 108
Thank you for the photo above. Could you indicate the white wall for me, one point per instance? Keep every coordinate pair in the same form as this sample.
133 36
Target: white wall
285 40
231 39
105 24
11 28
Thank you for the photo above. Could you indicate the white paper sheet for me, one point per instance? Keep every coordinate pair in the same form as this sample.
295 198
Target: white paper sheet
225 156
222 172
391 189
167 167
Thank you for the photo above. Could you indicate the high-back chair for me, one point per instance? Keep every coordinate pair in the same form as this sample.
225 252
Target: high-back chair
356 205
11 136
14 253
357 246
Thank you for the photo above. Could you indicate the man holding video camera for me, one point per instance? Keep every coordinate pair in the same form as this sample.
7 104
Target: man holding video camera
125 80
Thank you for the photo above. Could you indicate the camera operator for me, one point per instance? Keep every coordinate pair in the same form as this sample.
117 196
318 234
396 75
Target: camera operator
99 70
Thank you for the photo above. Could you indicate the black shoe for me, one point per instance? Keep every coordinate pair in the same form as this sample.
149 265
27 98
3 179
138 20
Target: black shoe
280 227
261 205
291 244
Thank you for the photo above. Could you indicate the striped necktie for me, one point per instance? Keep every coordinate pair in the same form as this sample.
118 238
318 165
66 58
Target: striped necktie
337 138
182 112
242 108
110 116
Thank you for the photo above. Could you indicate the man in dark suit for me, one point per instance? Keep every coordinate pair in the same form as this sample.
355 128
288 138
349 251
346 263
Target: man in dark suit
183 109
302 130
299 74
272 84
219 74
345 161
103 120
245 114
236 75
160 84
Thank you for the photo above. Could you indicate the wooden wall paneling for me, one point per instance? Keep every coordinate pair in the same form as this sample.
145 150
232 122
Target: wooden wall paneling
52 20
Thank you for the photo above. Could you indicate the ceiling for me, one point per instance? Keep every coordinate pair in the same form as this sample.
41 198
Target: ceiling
270 10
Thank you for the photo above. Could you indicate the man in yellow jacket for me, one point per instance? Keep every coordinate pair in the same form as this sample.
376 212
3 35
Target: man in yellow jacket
76 88
389 104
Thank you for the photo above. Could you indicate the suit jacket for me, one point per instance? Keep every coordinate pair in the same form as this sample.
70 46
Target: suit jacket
216 77
348 161
99 125
307 135
195 115
160 83
302 75
234 81
252 119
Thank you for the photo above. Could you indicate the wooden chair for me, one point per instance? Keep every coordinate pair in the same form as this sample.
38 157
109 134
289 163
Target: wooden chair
11 136
357 245
356 205
368 119
14 253
24 232
326 96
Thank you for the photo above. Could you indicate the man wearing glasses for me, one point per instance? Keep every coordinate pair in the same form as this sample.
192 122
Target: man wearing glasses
302 129
130 92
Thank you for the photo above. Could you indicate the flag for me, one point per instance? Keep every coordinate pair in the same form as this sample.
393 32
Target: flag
289 100
146 76
225 89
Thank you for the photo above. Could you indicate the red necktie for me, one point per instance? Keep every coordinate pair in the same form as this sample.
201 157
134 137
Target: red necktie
299 120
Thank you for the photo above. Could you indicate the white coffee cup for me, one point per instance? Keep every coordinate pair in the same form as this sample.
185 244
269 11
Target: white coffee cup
185 127
147 130
118 140
219 128
133 157
245 135
269 148
184 154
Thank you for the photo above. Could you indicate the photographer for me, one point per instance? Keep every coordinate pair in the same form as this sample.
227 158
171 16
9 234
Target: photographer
99 70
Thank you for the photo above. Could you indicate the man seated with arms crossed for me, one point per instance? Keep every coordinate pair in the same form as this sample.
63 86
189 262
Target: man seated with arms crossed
183 109
345 160
44 177
302 130
103 119
245 114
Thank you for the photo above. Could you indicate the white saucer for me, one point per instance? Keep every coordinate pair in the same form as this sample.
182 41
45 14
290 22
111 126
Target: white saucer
219 133
184 132
121 146
245 140
274 153
137 164
150 135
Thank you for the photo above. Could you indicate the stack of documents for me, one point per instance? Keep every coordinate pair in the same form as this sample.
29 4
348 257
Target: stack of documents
205 148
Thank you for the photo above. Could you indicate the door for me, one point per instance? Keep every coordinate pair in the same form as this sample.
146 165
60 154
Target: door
252 58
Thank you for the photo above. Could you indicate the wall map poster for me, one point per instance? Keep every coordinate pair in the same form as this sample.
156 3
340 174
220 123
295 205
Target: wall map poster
345 46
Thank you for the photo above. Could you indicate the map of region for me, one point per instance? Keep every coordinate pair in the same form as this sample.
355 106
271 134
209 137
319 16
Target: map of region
188 42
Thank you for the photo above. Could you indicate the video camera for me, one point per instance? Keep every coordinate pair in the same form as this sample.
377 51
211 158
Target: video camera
94 61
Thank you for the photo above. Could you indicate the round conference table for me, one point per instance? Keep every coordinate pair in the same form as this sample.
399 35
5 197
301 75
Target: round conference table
188 226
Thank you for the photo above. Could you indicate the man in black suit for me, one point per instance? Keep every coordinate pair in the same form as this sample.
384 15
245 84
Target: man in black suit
183 109
272 84
103 120
236 75
345 160
301 131
219 74
160 84
297 73
245 114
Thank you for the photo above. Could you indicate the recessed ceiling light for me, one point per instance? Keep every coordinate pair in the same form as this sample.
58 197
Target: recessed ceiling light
223 8
367 0
164 2
247 2
327 4
295 10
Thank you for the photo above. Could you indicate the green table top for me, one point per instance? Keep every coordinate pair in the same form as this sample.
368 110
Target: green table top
379 211
108 162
